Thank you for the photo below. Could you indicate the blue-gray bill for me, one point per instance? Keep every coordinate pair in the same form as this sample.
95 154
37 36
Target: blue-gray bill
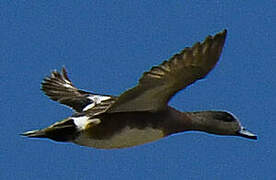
247 134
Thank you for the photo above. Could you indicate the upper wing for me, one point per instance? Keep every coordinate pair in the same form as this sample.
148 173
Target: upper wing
157 86
59 88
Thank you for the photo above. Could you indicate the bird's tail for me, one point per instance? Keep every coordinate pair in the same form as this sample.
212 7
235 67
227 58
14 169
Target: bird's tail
35 134
64 130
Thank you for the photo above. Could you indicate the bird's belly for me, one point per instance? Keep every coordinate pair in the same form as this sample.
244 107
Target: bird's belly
127 137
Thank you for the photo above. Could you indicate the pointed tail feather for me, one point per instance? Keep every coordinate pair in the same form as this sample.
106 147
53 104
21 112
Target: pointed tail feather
34 134
65 130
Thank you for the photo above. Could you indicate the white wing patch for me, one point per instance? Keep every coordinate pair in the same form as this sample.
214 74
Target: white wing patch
97 99
89 106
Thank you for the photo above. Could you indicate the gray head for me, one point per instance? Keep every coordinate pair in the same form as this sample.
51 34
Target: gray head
221 123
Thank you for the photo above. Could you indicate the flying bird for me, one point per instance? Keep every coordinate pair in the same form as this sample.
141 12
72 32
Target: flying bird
141 114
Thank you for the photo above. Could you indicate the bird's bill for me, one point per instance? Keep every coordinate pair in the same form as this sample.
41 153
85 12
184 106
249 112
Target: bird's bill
247 134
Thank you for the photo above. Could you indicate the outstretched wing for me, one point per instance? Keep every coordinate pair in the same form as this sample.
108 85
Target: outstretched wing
157 86
59 88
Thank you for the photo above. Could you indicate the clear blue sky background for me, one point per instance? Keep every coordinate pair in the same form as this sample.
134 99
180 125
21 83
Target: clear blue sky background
106 45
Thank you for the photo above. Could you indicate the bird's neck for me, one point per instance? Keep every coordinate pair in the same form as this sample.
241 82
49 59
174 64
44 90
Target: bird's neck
187 121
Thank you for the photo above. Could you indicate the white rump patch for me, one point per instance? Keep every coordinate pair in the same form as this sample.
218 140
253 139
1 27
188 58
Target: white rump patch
82 121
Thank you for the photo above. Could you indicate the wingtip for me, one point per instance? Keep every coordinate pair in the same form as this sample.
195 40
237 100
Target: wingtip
65 74
220 36
63 70
224 32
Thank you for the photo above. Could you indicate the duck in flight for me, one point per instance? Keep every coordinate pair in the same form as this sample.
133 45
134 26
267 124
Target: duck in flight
140 114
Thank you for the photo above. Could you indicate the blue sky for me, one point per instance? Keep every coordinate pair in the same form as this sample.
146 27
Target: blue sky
106 45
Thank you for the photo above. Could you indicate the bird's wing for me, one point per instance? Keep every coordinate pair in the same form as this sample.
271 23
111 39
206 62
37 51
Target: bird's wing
59 88
157 86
